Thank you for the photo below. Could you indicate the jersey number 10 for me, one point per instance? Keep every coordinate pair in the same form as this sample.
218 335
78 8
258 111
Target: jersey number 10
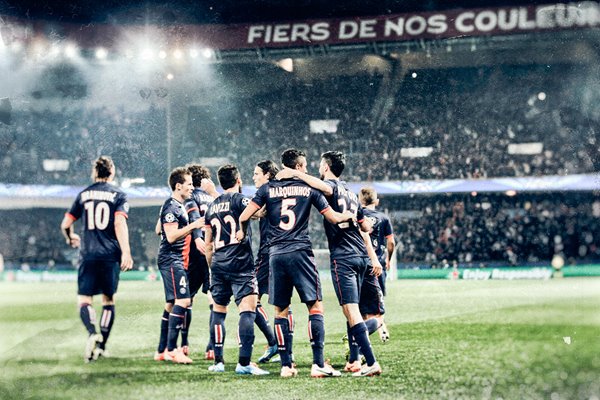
98 215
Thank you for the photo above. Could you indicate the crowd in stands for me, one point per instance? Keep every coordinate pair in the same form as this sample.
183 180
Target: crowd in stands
135 140
467 116
430 231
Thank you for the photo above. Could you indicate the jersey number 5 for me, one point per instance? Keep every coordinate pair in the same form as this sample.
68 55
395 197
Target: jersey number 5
287 212
98 215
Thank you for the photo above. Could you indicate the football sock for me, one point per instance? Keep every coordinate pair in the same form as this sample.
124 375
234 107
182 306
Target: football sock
176 321
290 336
164 331
372 325
186 326
246 336
210 345
282 328
88 317
316 334
359 331
106 323
262 321
352 345
217 334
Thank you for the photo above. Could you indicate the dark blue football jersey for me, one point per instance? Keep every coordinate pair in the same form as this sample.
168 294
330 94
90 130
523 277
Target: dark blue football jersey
173 212
382 231
97 205
263 224
344 239
222 219
288 209
196 207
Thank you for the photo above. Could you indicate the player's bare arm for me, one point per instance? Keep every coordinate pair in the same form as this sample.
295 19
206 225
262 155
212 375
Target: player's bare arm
250 210
174 234
122 233
337 218
209 250
390 247
209 187
71 238
377 268
312 181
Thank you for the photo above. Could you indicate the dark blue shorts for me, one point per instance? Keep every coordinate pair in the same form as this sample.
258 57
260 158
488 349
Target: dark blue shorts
293 270
371 296
347 276
175 282
224 284
261 269
198 274
98 277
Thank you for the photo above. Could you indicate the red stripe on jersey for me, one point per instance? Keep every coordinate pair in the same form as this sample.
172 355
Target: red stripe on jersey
70 216
173 280
325 210
186 251
253 204
192 209
171 223
123 213
360 221
389 236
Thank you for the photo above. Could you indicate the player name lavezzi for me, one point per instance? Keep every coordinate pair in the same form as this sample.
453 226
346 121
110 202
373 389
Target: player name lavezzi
287 191
219 207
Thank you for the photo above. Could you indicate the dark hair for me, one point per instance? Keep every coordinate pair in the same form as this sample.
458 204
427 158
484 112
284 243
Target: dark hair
336 161
228 176
198 173
178 176
268 166
103 166
290 157
367 196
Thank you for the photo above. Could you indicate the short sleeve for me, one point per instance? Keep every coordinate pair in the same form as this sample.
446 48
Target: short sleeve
122 206
168 216
76 209
360 214
386 227
261 196
319 201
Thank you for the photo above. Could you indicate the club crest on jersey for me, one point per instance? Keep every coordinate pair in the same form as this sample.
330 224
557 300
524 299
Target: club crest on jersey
170 217
245 201
372 220
182 290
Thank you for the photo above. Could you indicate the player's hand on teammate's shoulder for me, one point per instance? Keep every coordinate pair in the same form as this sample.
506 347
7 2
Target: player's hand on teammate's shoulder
239 235
350 217
286 173
377 268
208 186
126 262
261 213
74 241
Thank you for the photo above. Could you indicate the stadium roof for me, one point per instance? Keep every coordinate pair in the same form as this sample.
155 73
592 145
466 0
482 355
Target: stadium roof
225 11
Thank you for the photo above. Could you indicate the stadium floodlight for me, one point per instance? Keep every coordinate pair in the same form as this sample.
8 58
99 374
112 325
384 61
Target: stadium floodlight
287 64
178 54
147 54
208 53
101 53
162 54
70 50
511 193
541 96
194 53
414 75
170 76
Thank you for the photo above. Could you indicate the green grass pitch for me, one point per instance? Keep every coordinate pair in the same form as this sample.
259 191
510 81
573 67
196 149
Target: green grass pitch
450 340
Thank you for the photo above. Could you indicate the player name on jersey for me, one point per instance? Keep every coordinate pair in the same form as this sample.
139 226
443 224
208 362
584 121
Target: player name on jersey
219 207
287 191
98 195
